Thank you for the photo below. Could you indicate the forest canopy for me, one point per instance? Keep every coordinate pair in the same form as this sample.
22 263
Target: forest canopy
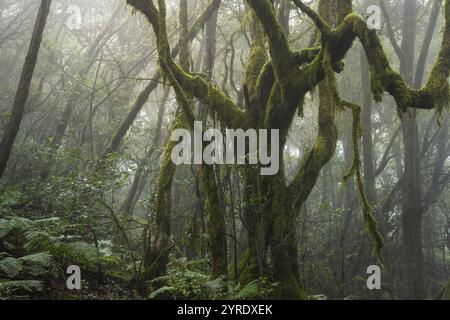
224 149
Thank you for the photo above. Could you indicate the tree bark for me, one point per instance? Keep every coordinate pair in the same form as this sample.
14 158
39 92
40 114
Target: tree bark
209 184
23 90
411 202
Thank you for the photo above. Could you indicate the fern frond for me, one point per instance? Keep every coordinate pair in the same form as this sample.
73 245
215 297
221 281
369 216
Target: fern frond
8 287
249 290
11 267
164 291
6 226
38 240
39 264
79 253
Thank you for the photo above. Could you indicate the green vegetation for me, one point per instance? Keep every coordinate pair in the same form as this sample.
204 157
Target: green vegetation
88 105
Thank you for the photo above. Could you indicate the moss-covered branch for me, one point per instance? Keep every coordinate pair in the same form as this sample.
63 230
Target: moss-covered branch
384 78
437 85
194 85
325 145
321 25
280 51
355 171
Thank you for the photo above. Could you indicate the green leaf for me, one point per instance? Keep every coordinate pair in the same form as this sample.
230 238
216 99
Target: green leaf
11 267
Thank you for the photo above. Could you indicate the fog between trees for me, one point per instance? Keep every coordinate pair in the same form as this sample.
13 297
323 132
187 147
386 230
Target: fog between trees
91 92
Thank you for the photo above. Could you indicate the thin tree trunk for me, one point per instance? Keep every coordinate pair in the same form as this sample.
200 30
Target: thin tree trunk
422 60
23 90
142 173
209 185
412 211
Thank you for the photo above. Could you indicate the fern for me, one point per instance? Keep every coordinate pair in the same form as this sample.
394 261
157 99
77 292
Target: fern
248 291
6 226
9 287
79 252
11 267
31 265
82 254
38 240
162 292
37 251
39 264
257 289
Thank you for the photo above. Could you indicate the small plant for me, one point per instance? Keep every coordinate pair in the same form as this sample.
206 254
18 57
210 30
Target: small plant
185 280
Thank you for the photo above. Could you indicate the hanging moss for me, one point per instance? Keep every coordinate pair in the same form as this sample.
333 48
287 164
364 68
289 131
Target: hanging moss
355 171
376 85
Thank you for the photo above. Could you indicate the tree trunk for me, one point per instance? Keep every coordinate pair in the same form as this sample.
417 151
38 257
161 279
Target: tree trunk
142 173
23 90
273 95
156 258
411 203
209 185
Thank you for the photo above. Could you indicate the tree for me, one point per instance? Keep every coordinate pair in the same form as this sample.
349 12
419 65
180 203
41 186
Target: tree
275 90
23 89
412 201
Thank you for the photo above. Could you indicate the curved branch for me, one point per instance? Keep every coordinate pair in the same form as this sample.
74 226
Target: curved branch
192 84
384 79
280 51
321 25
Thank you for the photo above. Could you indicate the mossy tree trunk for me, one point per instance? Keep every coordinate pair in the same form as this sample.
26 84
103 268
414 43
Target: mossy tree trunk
209 185
274 90
156 258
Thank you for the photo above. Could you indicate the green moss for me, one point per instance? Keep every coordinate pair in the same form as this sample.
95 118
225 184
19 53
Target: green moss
256 63
305 55
376 85
437 85
277 89
216 222
355 171
439 89
436 92
249 265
